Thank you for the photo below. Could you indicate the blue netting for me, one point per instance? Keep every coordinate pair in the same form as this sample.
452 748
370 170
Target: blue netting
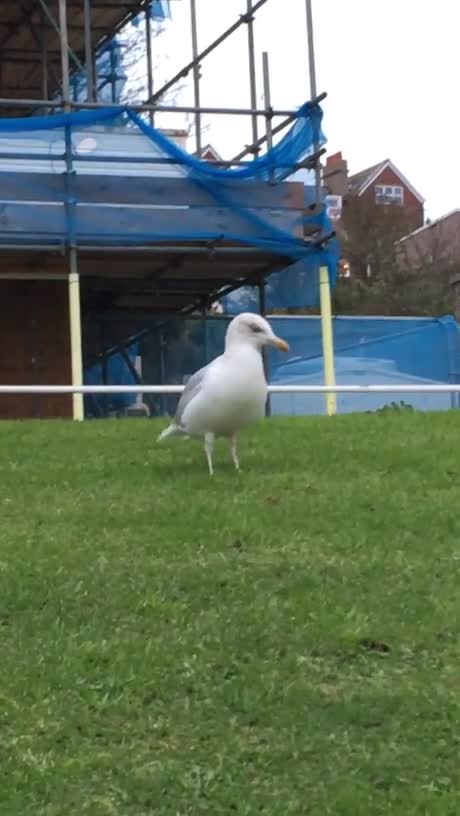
159 10
110 75
276 164
110 70
116 370
367 351
297 285
218 209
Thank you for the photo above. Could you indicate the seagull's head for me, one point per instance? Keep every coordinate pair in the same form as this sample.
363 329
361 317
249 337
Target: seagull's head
251 329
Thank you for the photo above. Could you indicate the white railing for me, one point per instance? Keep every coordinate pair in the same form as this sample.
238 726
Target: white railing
440 388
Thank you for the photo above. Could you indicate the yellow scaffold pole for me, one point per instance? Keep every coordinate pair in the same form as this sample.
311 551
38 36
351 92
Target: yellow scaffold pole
75 338
327 338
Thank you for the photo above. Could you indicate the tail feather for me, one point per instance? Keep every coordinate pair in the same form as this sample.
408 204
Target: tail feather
171 430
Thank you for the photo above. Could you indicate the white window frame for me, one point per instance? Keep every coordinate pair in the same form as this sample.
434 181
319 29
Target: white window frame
386 194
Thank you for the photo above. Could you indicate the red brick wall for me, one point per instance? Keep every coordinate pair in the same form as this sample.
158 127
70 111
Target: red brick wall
411 203
34 346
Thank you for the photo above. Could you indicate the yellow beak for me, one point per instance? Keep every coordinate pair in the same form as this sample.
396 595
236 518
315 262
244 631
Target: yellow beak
280 344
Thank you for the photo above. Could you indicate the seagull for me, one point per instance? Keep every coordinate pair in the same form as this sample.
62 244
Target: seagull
231 391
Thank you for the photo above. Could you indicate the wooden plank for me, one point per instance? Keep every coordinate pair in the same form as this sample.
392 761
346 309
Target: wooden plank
107 268
102 224
106 278
42 187
20 220
180 223
163 285
174 191
50 187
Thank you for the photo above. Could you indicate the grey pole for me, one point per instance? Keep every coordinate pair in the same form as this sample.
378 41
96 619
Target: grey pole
269 139
148 40
267 100
268 106
200 57
64 42
145 106
311 49
196 76
74 278
44 55
57 27
88 51
252 75
313 88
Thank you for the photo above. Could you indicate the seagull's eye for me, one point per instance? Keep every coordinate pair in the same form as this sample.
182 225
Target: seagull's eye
256 329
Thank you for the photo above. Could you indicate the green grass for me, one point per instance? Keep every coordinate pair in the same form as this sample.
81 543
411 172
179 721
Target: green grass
283 641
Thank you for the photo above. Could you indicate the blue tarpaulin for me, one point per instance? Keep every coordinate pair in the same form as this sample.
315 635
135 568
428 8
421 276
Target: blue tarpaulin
368 351
111 76
68 215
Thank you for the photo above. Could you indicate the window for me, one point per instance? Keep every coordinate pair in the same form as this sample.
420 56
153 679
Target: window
334 207
389 194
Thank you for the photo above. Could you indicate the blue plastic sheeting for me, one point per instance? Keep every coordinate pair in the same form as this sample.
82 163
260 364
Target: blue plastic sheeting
117 371
419 346
369 351
296 144
297 284
110 74
159 10
225 215
354 371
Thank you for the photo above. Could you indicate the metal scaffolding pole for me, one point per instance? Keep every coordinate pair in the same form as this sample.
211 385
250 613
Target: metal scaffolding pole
142 107
196 76
148 42
289 118
38 36
327 338
74 278
200 57
75 334
44 55
269 139
327 334
252 75
113 75
89 51
57 27
267 101
64 42
313 87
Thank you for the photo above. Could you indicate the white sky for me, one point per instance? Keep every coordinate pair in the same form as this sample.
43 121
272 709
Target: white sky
390 68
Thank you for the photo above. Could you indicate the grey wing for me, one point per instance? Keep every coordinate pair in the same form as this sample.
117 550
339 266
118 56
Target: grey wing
192 388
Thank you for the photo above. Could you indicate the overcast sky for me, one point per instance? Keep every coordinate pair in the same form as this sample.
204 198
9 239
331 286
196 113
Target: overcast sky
390 68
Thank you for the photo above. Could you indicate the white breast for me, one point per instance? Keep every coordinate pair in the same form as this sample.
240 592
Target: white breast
233 394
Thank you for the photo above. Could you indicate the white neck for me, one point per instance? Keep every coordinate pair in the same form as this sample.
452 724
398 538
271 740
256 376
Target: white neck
234 345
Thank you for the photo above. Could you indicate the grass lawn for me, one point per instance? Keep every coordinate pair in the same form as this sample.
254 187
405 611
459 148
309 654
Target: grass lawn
283 641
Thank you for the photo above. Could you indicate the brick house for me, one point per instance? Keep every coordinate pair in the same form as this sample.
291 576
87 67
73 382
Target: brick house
382 185
210 154
380 194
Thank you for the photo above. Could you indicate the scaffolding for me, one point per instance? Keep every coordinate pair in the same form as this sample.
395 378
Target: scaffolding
45 45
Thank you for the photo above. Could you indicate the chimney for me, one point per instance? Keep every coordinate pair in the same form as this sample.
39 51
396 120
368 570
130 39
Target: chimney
335 175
